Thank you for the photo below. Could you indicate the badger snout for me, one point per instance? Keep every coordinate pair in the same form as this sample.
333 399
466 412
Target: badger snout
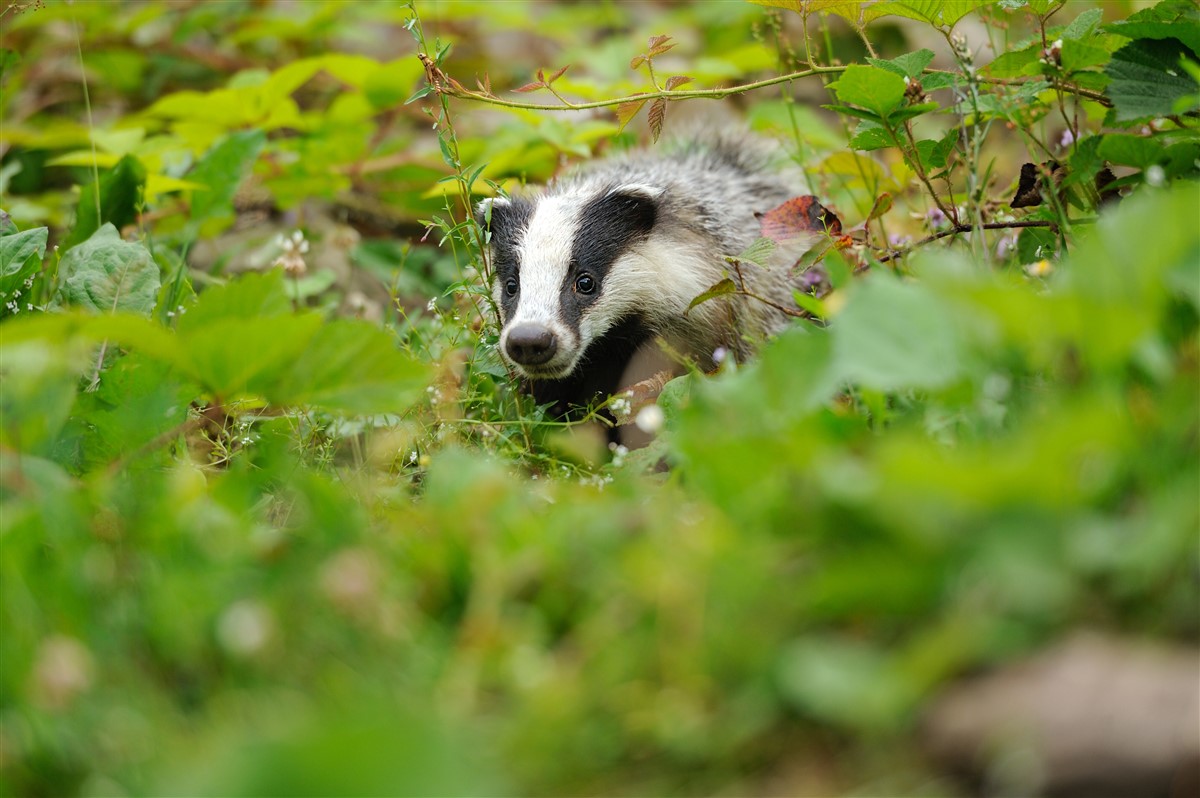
531 344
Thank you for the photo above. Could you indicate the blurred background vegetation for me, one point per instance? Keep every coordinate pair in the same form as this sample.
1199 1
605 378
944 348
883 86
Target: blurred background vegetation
277 520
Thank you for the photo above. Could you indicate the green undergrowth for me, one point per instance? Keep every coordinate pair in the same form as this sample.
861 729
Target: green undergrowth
278 520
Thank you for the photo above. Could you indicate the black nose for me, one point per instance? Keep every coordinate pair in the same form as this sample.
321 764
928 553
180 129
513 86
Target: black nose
531 344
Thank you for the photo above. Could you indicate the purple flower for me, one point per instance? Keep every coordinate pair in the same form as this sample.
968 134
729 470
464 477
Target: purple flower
1068 138
936 218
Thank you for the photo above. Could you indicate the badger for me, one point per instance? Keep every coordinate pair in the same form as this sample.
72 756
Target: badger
603 262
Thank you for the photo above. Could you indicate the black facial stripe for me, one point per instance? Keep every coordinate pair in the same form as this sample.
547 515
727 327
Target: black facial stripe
509 222
608 226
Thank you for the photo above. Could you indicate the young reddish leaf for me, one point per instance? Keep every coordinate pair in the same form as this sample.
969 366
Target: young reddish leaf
541 77
558 74
798 216
656 41
723 288
677 80
883 204
484 85
662 48
658 112
627 111
637 61
458 87
528 87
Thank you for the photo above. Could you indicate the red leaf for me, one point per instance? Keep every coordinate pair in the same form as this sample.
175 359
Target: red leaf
799 216
677 80
558 74
528 87
658 112
655 41
637 61
662 48
541 78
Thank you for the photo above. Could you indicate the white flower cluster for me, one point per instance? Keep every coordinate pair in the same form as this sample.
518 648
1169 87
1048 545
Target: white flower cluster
294 249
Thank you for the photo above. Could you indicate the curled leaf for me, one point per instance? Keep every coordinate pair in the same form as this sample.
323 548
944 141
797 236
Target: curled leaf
722 288
798 216
883 204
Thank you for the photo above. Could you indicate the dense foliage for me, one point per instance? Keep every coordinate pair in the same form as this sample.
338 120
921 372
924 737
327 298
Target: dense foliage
277 519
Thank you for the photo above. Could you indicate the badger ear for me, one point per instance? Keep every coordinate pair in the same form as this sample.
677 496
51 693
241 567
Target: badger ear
489 208
642 191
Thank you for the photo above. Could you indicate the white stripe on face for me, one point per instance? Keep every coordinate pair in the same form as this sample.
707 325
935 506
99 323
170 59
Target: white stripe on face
545 258
544 254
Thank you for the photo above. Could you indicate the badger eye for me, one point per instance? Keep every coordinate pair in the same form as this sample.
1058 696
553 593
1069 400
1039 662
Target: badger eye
510 287
585 284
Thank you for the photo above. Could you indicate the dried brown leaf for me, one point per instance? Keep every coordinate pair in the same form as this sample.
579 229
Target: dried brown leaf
798 216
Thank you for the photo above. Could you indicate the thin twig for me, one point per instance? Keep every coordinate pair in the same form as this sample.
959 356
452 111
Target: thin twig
966 228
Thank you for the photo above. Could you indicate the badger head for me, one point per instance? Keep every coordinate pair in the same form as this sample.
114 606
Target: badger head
573 271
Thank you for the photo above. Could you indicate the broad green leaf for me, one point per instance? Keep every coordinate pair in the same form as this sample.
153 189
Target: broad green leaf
909 64
870 136
895 336
869 87
353 367
221 171
246 356
105 274
1083 26
1173 19
1139 151
1147 79
935 12
120 192
1036 243
20 256
1077 55
251 296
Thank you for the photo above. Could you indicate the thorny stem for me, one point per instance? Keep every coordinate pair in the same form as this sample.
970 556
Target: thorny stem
967 228
445 89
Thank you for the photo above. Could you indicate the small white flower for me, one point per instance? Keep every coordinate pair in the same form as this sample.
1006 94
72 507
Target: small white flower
719 354
649 419
1155 176
245 628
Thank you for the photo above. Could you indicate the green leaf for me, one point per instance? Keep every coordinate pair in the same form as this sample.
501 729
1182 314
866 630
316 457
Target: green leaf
250 296
20 256
1147 79
723 288
353 367
1016 63
1173 19
222 170
870 136
909 64
1139 151
1077 55
39 379
105 274
1036 243
893 335
759 252
7 225
869 87
1083 26
235 357
120 197
936 12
